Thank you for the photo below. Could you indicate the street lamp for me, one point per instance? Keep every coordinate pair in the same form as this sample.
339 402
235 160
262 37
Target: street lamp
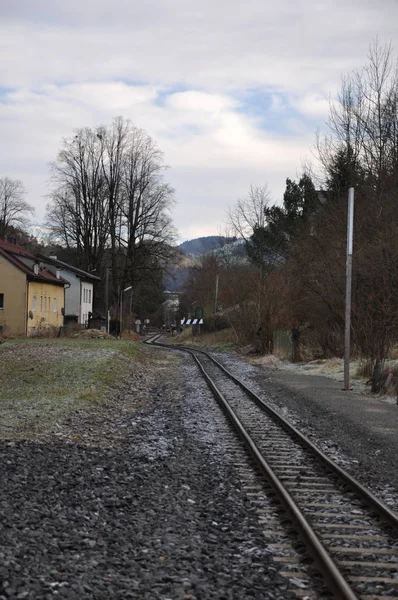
130 287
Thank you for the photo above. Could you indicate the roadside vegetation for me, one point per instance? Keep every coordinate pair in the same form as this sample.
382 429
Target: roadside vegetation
218 340
43 382
287 296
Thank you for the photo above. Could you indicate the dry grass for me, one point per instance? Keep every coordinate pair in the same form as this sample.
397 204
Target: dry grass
43 381
268 360
217 340
92 333
393 353
364 368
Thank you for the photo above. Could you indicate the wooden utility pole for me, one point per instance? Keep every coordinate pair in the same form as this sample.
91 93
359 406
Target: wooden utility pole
107 299
216 299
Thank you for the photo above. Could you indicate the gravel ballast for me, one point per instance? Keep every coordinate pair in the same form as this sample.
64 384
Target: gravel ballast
357 431
138 505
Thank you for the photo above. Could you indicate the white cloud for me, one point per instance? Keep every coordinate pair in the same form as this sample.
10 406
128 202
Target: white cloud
315 106
218 151
213 45
194 101
182 71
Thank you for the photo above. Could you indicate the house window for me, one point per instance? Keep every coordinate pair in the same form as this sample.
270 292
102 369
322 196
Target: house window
55 305
1 301
34 303
41 303
89 296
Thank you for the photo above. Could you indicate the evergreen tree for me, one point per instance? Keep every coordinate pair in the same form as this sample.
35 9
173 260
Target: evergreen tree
271 243
343 172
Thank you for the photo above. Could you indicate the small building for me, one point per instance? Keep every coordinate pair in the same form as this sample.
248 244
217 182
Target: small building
31 297
79 294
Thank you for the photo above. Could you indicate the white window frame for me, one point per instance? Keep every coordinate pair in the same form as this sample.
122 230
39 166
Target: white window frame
55 305
34 303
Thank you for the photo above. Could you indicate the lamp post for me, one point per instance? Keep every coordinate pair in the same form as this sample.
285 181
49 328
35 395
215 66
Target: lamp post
130 287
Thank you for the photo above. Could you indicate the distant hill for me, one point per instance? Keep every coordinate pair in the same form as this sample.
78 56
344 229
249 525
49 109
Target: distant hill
192 251
203 245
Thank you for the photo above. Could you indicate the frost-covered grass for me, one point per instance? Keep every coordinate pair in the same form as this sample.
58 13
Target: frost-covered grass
332 368
43 381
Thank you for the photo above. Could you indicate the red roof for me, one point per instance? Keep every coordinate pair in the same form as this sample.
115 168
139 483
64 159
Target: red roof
15 249
10 250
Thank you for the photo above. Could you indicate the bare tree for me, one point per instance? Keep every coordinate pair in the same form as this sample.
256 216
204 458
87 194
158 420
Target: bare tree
110 204
249 220
114 140
363 124
361 151
145 200
249 213
78 210
14 210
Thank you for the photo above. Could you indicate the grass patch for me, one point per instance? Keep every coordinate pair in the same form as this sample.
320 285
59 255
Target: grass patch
44 381
220 341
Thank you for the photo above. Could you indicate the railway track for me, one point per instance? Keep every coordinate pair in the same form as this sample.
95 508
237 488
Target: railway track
350 534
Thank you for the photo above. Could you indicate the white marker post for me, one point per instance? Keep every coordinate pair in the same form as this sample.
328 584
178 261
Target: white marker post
347 336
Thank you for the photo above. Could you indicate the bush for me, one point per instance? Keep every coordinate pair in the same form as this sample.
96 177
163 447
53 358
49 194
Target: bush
215 323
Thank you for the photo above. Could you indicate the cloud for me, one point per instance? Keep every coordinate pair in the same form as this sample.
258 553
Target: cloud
315 106
217 154
211 45
232 93
200 101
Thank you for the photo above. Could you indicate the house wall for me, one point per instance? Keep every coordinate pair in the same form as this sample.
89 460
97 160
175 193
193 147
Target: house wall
47 308
72 292
13 286
87 291
75 305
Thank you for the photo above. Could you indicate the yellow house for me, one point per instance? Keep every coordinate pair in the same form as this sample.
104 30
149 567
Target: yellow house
31 298
45 304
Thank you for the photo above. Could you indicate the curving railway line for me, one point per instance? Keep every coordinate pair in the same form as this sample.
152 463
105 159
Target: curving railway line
351 536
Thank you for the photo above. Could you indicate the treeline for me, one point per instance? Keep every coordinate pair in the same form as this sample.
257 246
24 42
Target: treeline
295 275
108 212
110 205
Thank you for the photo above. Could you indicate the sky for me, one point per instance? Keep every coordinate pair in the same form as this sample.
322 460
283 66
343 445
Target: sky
232 92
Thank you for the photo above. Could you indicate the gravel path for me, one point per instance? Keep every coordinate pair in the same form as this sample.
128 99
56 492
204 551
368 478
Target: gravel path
135 507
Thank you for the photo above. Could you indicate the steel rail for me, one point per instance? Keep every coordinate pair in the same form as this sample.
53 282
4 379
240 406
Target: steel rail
382 509
325 563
